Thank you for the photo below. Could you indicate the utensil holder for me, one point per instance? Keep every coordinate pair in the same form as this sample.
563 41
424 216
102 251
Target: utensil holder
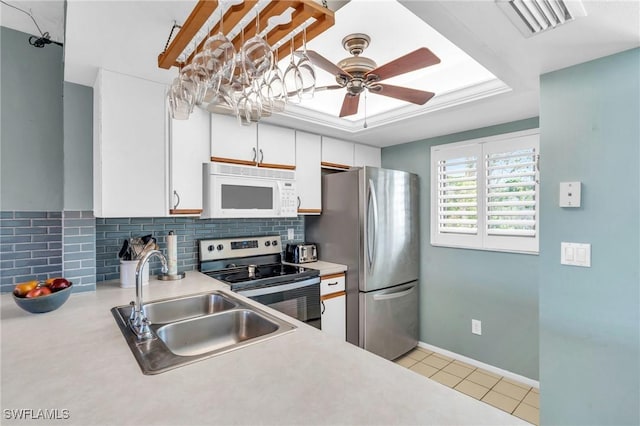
128 273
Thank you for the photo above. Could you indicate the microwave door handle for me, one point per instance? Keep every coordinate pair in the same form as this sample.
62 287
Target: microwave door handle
372 210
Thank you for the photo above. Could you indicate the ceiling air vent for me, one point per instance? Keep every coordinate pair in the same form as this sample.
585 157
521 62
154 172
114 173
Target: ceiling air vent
535 16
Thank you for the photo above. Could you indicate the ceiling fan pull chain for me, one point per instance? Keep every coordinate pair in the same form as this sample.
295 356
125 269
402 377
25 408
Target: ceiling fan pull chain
365 109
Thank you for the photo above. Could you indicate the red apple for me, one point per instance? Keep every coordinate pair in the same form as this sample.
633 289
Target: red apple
59 284
37 292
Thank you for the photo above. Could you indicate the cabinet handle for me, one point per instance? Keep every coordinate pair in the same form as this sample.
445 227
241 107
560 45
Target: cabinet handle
255 154
334 283
175 193
261 156
323 307
299 202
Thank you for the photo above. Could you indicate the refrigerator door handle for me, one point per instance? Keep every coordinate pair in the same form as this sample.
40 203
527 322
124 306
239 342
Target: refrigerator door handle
372 207
394 295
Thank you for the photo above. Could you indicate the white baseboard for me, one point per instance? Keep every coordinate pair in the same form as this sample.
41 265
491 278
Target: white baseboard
479 364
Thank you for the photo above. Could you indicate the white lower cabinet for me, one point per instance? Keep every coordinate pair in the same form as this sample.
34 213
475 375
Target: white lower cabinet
308 173
333 300
189 147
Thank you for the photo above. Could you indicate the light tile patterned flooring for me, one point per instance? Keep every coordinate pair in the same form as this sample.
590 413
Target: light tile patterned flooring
515 398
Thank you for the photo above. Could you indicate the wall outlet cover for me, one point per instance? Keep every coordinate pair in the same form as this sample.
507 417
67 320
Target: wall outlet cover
476 327
570 194
290 234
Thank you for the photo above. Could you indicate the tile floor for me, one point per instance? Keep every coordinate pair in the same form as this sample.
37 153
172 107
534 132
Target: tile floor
515 398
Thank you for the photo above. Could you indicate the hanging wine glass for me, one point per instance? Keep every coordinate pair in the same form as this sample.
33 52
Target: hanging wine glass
179 99
220 57
307 71
257 57
292 80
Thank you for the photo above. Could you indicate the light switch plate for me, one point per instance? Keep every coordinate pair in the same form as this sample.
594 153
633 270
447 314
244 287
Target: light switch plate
570 194
290 234
575 254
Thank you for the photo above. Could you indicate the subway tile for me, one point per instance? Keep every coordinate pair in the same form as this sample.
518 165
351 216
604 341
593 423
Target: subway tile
31 246
16 239
54 214
9 223
54 245
6 264
72 248
135 228
88 214
46 253
69 214
88 247
47 237
45 222
72 265
5 232
55 230
53 260
78 239
116 221
16 272
30 214
75 273
30 231
88 263
16 255
6 215
47 269
79 255
71 231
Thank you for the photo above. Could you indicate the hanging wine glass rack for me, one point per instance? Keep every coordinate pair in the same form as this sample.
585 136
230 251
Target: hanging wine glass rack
301 14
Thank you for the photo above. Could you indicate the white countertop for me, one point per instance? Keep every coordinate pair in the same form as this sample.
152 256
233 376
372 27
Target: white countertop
325 268
76 359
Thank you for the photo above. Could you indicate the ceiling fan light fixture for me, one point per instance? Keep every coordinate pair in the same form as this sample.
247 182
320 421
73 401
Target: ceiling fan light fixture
533 17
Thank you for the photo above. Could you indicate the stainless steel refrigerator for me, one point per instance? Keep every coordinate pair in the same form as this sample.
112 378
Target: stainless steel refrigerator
369 222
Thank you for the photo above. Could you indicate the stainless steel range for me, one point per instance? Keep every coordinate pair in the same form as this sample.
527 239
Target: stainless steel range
252 266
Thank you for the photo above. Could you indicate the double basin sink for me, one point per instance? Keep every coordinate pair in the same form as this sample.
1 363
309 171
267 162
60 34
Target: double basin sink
191 328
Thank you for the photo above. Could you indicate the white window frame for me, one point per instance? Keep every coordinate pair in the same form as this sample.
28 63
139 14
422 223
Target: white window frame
480 148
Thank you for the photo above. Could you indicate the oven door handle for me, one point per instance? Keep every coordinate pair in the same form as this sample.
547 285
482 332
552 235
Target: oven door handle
278 288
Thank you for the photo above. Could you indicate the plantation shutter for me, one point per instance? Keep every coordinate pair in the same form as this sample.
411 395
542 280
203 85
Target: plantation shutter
458 195
511 193
485 193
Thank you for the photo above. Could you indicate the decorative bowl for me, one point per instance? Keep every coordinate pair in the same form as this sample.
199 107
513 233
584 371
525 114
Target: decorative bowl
41 304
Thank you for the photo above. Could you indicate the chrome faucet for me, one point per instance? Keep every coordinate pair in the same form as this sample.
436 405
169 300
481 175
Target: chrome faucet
138 321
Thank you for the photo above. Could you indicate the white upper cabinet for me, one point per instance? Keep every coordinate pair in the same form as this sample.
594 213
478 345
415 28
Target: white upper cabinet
129 147
259 145
189 145
232 142
336 153
276 147
308 173
365 155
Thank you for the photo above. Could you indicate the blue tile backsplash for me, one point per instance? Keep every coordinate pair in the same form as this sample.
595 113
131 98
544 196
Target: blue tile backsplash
111 233
74 244
30 247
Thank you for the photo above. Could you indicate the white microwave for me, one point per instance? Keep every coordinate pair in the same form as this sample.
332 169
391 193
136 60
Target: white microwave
233 191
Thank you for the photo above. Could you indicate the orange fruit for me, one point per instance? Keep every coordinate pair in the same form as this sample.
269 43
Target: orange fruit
23 288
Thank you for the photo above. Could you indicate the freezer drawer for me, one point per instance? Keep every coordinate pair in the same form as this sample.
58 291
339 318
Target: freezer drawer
389 320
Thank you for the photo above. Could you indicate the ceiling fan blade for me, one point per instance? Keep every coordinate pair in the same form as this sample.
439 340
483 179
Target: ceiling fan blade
420 58
414 96
332 87
322 62
350 105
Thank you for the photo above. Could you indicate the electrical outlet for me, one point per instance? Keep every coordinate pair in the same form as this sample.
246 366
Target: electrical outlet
290 234
476 327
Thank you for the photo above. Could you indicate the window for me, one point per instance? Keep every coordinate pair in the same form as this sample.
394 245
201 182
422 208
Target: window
485 193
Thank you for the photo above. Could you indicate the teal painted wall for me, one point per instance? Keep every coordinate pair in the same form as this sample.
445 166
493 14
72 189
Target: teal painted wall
31 175
590 317
78 147
457 285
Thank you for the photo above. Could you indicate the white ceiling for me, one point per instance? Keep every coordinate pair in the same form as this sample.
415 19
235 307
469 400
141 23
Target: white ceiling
126 36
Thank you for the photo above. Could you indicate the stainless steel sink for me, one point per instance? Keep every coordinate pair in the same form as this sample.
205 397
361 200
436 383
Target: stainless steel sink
166 311
192 328
210 333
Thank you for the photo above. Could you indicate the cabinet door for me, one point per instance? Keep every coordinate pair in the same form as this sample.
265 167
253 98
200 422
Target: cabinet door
365 155
232 142
333 315
336 153
276 147
130 148
189 147
308 173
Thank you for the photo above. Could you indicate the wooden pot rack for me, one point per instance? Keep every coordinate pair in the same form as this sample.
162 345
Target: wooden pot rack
303 10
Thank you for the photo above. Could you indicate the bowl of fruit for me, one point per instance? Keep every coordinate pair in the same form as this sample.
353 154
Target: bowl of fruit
38 297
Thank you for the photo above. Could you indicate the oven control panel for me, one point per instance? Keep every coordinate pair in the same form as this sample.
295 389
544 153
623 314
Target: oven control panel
239 247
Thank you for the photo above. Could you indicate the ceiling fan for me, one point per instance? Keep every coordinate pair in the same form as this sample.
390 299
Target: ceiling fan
358 73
